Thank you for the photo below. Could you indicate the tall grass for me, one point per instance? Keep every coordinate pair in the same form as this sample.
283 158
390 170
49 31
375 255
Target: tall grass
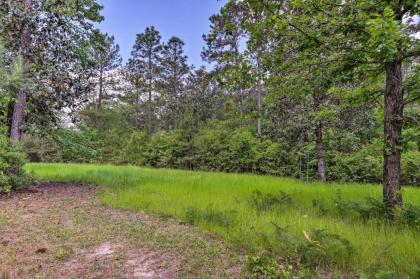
223 204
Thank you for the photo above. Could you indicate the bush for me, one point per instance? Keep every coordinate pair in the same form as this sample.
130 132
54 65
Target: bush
243 154
211 149
135 150
274 159
365 165
263 266
12 159
410 168
66 145
320 247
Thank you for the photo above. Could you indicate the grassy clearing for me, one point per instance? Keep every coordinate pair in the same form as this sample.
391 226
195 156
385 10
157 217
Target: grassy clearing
228 205
60 231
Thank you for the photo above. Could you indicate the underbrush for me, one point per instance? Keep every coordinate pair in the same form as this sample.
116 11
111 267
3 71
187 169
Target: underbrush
12 160
289 228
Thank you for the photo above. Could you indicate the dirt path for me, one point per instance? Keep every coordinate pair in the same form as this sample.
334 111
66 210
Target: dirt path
61 231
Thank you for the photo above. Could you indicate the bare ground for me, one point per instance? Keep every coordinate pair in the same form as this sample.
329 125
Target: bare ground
61 231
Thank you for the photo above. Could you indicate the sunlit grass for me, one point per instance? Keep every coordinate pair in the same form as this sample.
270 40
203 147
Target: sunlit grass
174 192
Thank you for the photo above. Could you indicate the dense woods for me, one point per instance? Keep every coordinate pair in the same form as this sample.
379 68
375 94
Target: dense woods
313 90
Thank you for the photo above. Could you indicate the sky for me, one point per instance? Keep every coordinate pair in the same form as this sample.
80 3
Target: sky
186 19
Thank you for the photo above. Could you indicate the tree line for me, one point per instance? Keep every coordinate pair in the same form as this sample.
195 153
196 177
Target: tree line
315 90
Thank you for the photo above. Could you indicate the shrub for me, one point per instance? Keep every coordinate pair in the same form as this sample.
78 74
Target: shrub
242 153
274 159
12 159
211 149
66 145
410 168
320 247
262 266
78 146
281 241
365 165
135 150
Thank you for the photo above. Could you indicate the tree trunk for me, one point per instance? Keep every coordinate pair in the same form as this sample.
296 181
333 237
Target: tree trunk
100 89
259 104
393 121
17 116
149 114
320 152
20 103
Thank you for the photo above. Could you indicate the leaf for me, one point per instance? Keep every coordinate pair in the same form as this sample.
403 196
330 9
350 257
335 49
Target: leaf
309 239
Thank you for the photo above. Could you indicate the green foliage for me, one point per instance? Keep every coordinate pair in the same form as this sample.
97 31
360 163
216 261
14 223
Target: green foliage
320 247
364 165
56 53
242 152
66 145
223 146
266 201
12 156
77 146
12 160
410 167
134 150
375 244
262 267
210 215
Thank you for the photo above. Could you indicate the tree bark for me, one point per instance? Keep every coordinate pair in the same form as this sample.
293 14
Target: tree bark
320 152
17 116
20 103
393 121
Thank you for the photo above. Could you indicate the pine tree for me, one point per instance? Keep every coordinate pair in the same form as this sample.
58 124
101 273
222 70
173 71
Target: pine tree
174 70
144 68
107 57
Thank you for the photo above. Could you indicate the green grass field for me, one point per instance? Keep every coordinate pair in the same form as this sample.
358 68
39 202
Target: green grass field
227 205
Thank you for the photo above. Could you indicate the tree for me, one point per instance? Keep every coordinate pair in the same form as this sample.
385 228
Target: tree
204 98
174 70
223 47
107 56
52 38
11 78
367 37
143 67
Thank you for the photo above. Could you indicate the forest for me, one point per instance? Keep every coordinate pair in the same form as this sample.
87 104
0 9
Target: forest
312 107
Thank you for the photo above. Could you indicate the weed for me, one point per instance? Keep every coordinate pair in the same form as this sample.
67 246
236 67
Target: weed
320 205
320 247
267 201
10 255
62 252
191 215
210 215
282 241
341 206
410 216
370 209
262 266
